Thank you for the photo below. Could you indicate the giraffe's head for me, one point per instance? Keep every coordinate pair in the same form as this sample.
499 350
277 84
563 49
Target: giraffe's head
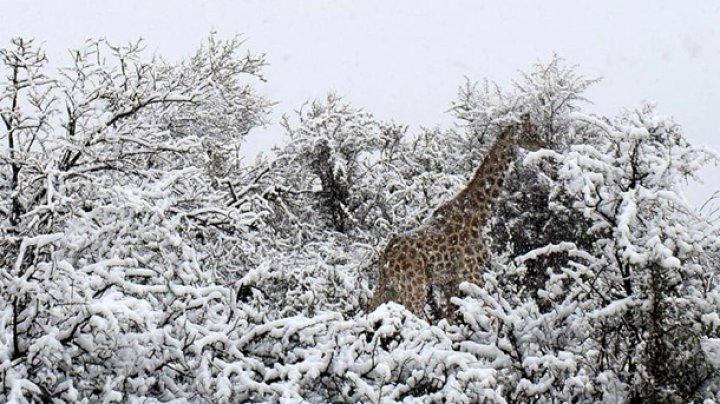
527 136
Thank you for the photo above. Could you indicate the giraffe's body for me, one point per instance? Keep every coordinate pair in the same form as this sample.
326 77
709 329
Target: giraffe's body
449 248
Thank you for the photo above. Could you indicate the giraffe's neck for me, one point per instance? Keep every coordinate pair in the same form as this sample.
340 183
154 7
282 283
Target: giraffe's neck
471 207
486 183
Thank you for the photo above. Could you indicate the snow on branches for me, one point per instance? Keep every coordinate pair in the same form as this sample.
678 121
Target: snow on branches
142 261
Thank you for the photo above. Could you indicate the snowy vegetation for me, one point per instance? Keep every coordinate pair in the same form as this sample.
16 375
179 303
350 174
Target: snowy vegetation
142 261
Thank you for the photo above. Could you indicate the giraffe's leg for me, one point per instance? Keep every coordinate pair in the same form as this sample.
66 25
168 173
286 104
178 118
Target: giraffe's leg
471 272
391 270
379 297
468 269
451 289
472 261
414 284
387 288
449 281
415 305
415 294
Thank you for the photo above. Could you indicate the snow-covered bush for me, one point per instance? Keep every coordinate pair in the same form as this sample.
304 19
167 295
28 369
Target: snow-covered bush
113 218
329 150
626 317
142 262
646 283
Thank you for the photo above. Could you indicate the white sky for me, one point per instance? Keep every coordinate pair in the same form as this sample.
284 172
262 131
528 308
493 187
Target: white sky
404 59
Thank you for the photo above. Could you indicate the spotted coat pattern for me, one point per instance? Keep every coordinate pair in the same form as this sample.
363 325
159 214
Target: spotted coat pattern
449 248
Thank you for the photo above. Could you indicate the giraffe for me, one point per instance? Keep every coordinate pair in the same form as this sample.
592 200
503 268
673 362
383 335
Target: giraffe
450 248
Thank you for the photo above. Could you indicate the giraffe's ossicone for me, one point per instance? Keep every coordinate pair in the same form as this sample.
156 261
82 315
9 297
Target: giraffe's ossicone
450 247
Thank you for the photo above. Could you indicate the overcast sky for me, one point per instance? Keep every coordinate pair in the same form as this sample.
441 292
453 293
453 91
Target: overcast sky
405 59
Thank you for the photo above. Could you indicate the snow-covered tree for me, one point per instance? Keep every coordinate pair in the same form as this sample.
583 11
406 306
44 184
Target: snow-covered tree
650 285
330 149
630 316
141 261
116 213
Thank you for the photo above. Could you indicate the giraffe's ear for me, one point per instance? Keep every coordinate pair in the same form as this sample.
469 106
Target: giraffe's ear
526 124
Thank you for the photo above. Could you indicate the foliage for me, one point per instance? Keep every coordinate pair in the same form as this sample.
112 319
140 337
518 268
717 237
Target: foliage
143 262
